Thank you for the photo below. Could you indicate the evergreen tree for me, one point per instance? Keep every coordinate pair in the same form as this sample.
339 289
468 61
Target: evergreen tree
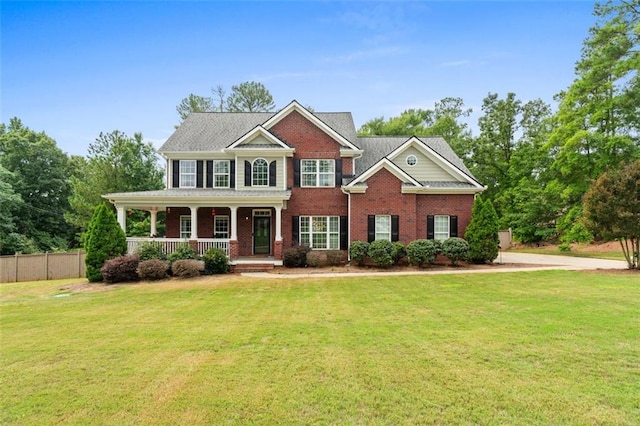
482 232
104 240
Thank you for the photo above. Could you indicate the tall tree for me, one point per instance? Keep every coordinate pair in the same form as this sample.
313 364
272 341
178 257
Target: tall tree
116 163
105 240
599 114
194 103
40 177
250 96
612 209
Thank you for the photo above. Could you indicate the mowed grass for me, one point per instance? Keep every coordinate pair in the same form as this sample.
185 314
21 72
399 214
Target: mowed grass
550 347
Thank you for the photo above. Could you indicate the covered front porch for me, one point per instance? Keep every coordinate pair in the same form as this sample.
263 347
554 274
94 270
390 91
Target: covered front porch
246 229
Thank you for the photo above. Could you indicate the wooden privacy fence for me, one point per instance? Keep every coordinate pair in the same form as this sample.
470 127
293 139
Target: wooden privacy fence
43 266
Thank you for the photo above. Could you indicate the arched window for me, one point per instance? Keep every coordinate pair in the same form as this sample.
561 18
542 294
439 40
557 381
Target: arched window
260 172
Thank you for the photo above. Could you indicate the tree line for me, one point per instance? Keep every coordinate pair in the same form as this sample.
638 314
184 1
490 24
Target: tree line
538 163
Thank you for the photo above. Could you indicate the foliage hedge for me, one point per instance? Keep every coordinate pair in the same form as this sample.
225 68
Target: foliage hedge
182 252
382 252
186 268
455 249
104 240
151 250
153 269
423 251
358 251
215 261
121 269
295 257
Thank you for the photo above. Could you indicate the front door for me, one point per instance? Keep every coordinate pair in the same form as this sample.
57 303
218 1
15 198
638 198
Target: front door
261 234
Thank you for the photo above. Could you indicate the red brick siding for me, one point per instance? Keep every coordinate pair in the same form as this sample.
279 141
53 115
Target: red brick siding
452 205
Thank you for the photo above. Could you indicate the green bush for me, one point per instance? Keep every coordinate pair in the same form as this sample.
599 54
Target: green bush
578 233
186 268
455 249
400 252
215 261
295 257
358 251
182 252
423 251
382 252
482 232
151 250
121 269
153 269
104 240
564 247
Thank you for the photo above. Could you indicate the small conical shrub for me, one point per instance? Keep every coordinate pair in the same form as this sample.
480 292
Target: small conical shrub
482 232
104 240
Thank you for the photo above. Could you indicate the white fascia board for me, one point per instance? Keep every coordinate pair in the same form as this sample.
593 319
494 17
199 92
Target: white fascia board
437 158
295 106
427 190
258 130
389 165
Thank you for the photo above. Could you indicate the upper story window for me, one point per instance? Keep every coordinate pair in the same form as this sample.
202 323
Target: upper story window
317 172
187 173
412 160
260 172
221 173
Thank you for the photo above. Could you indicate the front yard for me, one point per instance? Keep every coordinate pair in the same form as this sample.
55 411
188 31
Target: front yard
550 347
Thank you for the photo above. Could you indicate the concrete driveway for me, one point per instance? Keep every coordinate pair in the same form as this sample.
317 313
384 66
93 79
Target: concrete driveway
561 262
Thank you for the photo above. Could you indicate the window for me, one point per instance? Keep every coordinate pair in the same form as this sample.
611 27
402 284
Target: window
220 226
412 160
320 232
221 174
317 172
260 173
185 226
187 173
383 227
441 227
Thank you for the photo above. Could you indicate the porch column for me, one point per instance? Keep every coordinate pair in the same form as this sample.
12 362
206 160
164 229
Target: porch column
233 217
278 224
154 219
194 223
122 218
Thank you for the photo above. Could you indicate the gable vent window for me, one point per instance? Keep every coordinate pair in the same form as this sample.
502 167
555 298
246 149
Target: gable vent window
412 160
187 174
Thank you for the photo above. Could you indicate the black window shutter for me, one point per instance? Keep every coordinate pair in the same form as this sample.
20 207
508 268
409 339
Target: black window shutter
247 173
232 173
295 234
371 228
430 226
344 227
209 173
453 226
296 172
339 172
176 174
199 166
395 225
272 173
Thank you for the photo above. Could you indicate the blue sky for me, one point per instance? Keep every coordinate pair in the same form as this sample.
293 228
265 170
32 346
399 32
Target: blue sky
75 69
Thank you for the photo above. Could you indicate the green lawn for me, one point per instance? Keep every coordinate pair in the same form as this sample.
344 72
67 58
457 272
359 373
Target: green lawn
550 347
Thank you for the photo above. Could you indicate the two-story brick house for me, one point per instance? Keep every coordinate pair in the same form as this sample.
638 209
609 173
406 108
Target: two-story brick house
254 184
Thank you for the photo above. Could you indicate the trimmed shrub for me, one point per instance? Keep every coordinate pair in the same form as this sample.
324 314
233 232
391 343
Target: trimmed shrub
400 252
358 251
103 240
182 252
381 252
564 247
121 269
153 269
336 257
423 251
455 249
482 232
187 268
317 259
295 257
215 261
151 250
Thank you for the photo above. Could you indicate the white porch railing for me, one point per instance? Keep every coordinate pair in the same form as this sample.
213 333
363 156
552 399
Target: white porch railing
169 245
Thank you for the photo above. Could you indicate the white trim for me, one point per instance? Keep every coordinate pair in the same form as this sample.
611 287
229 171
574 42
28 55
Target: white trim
258 130
295 106
253 184
389 165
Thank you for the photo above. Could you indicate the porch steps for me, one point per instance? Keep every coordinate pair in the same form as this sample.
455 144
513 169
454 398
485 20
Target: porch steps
252 267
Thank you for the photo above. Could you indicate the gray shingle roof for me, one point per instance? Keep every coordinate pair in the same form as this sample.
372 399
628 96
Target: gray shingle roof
377 147
214 131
